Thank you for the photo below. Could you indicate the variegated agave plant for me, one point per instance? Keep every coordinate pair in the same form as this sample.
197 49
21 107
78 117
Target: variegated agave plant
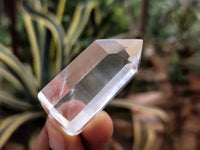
52 47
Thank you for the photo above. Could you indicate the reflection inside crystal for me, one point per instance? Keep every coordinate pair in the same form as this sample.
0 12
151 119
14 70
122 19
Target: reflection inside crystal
96 79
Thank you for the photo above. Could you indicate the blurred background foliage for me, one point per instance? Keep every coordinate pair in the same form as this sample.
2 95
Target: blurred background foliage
159 109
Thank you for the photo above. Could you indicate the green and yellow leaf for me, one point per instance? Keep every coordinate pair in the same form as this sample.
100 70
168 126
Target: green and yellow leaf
10 78
80 19
141 108
34 46
9 101
51 22
11 123
10 60
151 137
137 133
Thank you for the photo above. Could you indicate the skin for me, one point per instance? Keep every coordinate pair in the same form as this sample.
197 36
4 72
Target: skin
95 136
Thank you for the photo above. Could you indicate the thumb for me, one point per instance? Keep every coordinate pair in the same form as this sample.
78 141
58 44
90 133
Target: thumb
58 140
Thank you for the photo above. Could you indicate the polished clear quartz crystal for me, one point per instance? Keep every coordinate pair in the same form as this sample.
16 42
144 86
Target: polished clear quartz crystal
89 82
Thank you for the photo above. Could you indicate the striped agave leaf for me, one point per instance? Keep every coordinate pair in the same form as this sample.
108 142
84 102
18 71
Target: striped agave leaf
137 133
60 9
7 100
51 22
80 19
6 74
25 77
59 15
133 106
151 137
34 46
10 124
138 140
137 127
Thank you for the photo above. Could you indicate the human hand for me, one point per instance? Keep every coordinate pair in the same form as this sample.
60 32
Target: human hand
94 137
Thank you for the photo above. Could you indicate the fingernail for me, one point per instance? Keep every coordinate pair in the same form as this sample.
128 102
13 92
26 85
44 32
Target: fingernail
56 140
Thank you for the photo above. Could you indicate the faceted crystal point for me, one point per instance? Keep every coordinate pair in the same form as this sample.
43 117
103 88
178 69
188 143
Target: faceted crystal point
89 82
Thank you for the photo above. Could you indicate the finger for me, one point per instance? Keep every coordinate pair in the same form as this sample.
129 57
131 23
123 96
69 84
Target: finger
71 108
59 140
42 141
98 132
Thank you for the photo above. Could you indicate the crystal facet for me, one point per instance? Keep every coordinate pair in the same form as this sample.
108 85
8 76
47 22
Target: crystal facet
89 82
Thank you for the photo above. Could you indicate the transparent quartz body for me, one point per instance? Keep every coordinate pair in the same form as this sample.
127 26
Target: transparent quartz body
87 84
